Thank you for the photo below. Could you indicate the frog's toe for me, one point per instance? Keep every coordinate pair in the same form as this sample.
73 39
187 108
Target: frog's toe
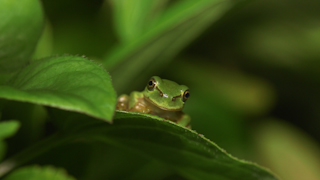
122 106
122 102
123 98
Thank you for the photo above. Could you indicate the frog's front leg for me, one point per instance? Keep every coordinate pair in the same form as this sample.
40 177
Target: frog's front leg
137 103
185 121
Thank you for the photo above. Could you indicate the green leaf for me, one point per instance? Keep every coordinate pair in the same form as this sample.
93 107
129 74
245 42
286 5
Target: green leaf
32 118
20 28
189 154
132 18
174 30
167 145
66 82
39 173
8 128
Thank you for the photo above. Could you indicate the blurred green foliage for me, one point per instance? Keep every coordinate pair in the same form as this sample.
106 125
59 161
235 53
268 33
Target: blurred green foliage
253 67
35 172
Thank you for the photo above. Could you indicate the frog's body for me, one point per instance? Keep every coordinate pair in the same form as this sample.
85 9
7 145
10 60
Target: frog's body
161 97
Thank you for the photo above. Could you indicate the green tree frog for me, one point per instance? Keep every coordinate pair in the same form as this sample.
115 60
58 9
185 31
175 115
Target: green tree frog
161 97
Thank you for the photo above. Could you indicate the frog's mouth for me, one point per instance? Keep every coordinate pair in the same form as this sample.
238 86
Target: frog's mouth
161 107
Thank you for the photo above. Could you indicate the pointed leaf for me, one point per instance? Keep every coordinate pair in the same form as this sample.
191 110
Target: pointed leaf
185 152
189 154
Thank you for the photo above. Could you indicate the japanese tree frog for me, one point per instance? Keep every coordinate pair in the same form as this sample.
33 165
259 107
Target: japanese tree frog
161 97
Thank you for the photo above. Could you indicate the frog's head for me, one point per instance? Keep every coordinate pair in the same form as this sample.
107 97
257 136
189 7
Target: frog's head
165 94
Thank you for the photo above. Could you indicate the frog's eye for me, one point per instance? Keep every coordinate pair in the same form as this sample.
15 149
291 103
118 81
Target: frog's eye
151 84
186 95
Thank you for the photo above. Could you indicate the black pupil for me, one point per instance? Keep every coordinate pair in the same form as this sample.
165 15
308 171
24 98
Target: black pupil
150 83
187 95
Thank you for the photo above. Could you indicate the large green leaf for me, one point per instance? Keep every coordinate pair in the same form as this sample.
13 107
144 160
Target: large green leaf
39 173
188 153
165 143
65 82
174 30
20 28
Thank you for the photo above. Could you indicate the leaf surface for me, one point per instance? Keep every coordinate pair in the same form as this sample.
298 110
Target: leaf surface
167 146
186 152
20 28
65 82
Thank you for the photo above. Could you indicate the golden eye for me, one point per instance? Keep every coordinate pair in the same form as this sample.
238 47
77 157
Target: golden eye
151 84
186 95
